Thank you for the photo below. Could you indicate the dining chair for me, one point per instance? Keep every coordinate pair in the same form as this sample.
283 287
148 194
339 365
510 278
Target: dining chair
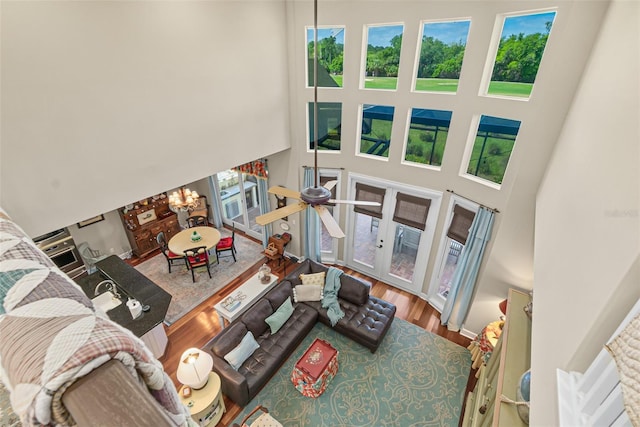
227 244
170 256
197 221
90 256
197 257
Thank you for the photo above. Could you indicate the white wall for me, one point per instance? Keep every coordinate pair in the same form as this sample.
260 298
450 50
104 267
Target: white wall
587 215
510 253
108 102
111 102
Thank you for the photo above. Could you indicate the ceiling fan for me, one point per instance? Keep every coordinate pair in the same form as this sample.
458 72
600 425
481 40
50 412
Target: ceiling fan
317 196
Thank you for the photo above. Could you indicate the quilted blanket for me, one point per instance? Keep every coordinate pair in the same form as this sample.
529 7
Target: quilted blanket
51 335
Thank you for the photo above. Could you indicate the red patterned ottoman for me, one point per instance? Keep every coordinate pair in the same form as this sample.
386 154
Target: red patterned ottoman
315 369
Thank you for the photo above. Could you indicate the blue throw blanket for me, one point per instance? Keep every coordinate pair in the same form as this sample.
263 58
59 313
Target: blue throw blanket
330 299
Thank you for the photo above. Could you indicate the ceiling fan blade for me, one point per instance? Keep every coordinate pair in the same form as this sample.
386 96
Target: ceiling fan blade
330 184
284 192
355 202
329 222
269 217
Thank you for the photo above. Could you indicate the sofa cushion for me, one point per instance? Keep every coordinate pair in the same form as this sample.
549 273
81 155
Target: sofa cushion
280 316
254 318
307 293
242 351
316 267
279 294
353 289
228 339
313 279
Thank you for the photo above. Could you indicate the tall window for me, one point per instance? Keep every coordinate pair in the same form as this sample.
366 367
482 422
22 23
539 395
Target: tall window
518 56
427 136
455 239
383 56
492 148
329 125
330 56
441 53
375 130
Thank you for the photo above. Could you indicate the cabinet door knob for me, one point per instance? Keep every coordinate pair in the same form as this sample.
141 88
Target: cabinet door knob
483 409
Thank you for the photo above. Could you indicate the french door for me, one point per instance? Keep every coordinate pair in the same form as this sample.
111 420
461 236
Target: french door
391 243
239 200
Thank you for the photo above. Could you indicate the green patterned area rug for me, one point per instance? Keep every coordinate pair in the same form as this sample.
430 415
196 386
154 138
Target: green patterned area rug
186 294
414 379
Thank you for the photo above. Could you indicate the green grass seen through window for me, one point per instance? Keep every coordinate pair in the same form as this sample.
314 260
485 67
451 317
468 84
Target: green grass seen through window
522 90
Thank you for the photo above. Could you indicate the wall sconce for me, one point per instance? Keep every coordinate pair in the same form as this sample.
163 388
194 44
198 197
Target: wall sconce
194 368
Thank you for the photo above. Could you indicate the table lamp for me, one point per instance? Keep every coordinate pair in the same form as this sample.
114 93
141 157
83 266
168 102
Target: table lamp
194 368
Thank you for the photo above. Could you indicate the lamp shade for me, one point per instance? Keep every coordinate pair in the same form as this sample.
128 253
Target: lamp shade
503 306
194 367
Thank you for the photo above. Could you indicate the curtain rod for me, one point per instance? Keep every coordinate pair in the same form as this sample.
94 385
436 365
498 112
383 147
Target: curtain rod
471 200
304 166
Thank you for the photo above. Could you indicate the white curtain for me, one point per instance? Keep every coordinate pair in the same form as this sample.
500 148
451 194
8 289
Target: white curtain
465 275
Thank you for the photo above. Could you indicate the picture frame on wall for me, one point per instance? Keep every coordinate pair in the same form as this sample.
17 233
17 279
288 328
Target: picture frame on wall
91 221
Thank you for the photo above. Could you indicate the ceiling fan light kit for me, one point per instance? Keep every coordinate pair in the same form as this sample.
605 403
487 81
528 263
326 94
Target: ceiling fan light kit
316 196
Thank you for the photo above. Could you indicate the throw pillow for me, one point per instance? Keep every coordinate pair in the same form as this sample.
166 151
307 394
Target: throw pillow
238 355
280 316
308 293
313 279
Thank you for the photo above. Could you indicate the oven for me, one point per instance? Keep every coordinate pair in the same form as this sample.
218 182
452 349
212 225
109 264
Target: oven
60 247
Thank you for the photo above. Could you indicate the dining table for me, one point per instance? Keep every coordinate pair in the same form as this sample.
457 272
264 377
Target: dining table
182 240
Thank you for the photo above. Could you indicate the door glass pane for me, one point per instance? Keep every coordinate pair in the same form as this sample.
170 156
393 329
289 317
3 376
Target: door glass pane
252 200
375 130
522 44
405 251
326 242
450 261
231 196
364 239
383 56
441 54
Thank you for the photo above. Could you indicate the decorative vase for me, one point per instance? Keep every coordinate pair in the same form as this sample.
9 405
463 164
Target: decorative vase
195 237
264 274
523 394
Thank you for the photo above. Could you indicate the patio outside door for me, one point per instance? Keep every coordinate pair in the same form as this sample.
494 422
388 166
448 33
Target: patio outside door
240 201
383 244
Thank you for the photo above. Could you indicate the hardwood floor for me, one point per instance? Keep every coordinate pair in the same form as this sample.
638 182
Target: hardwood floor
201 324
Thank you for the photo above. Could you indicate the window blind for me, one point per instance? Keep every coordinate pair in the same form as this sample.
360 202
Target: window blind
368 193
411 210
460 224
323 181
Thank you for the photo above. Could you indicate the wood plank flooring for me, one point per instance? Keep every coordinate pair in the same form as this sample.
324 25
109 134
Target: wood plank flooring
201 324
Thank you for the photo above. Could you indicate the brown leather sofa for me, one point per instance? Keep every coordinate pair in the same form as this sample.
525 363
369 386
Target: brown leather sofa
367 320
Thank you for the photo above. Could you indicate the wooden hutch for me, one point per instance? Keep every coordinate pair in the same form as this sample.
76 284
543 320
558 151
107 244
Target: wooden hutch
145 219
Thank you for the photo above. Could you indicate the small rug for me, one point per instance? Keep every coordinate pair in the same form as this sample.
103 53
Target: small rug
186 294
415 378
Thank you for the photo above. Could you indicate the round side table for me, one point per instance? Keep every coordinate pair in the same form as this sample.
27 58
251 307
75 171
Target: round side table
206 405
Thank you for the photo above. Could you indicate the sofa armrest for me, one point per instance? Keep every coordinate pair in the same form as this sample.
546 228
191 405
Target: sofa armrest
234 384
